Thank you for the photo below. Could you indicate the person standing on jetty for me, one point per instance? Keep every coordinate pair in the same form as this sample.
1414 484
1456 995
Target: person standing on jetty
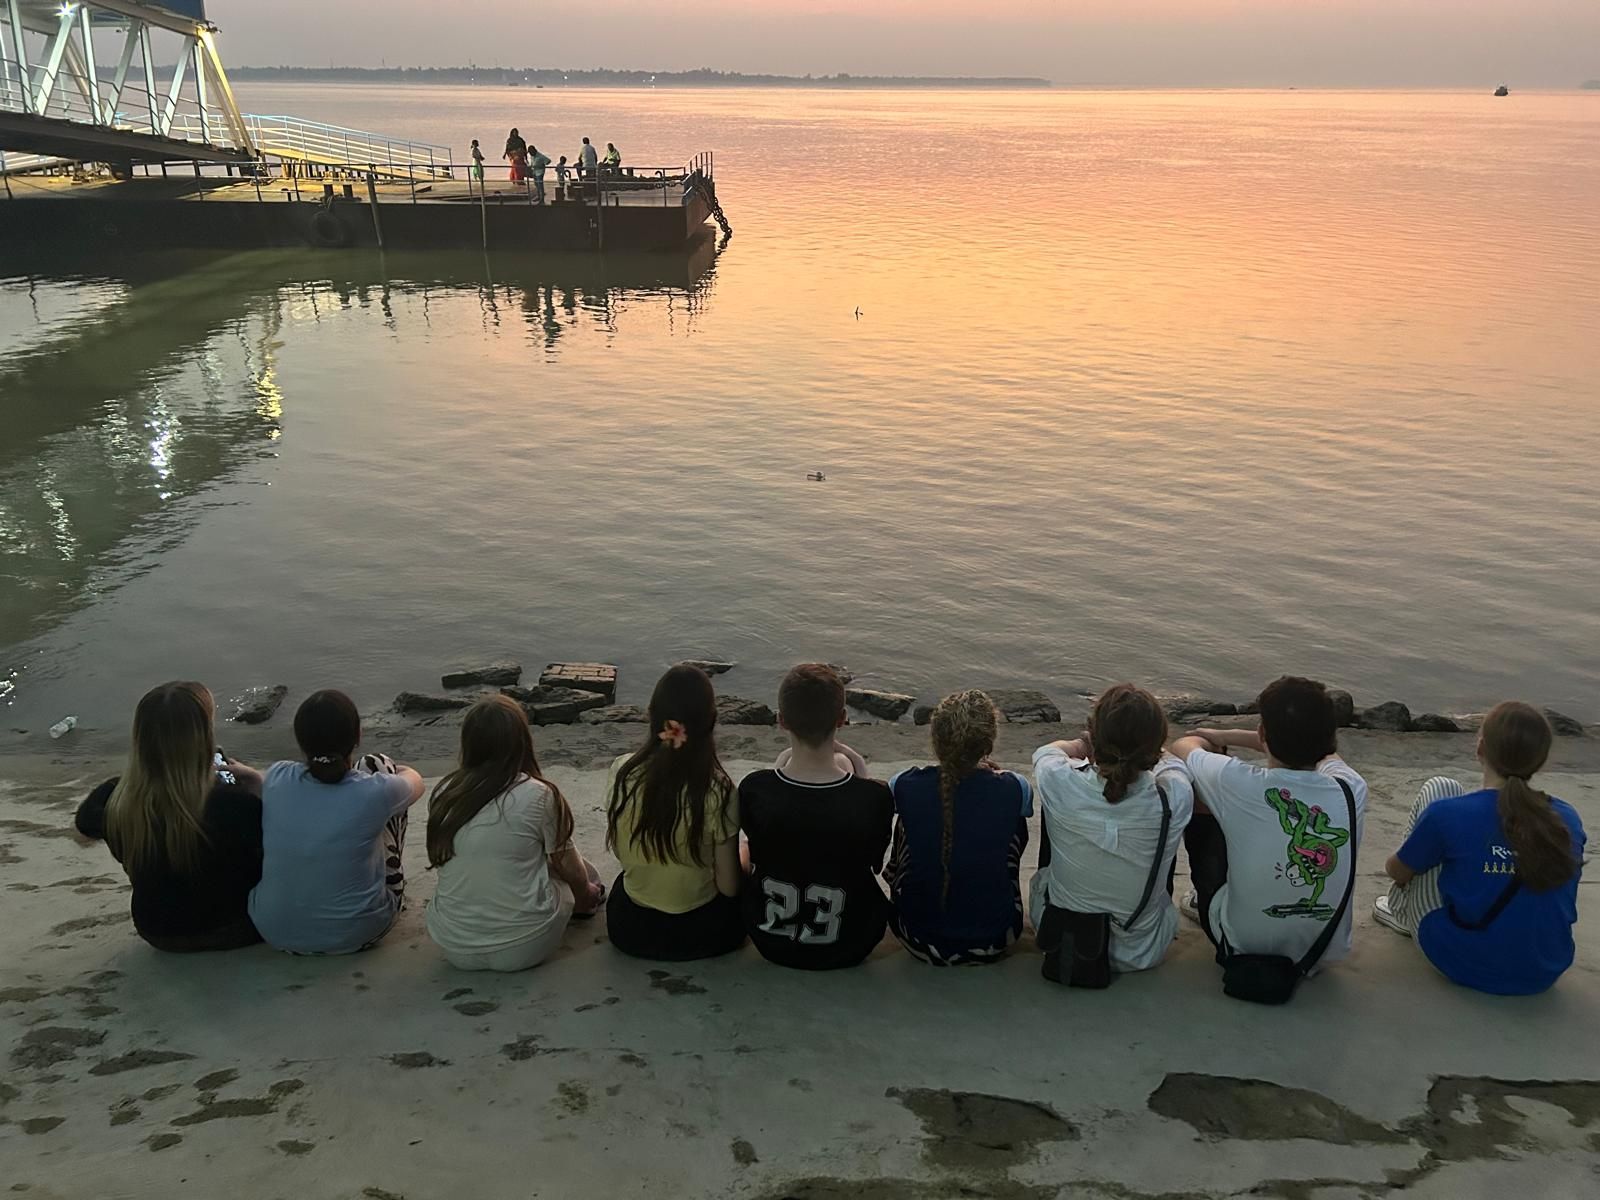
818 827
562 171
537 163
1487 881
517 155
1272 848
587 158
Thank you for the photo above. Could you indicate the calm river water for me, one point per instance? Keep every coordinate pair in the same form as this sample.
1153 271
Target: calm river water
1185 388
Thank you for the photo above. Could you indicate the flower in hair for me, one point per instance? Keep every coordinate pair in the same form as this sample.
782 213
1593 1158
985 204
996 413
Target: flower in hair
673 734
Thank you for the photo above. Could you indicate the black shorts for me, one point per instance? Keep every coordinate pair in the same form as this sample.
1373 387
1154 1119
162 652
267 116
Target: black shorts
713 929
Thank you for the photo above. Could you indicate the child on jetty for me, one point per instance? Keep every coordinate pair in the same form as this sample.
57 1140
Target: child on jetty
477 161
332 831
1271 847
500 836
958 843
184 823
672 820
818 826
1487 881
1101 801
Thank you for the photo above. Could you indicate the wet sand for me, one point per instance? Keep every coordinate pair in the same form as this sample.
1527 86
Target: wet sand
388 1074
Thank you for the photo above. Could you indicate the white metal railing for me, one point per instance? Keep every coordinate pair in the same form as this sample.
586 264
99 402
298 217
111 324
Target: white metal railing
299 140
15 164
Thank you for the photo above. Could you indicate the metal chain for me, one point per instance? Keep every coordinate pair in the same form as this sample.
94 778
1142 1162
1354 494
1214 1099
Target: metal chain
716 209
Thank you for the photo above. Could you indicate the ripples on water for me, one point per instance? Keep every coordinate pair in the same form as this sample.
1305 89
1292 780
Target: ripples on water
1184 388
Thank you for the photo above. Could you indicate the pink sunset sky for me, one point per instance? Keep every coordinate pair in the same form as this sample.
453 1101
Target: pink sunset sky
1528 43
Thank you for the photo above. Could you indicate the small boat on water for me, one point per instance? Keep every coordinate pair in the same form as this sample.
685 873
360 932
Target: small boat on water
1502 90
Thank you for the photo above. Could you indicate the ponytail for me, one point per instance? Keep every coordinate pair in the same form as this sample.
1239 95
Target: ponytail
1515 743
964 728
1118 774
328 729
1539 838
1127 730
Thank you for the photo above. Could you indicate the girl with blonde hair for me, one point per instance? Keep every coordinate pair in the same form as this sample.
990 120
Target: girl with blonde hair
960 830
185 824
1113 806
500 836
1487 881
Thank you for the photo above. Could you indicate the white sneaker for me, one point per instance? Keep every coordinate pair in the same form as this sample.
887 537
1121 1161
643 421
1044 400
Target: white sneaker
1383 914
1189 906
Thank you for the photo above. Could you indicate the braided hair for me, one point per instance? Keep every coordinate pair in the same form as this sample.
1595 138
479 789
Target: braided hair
964 726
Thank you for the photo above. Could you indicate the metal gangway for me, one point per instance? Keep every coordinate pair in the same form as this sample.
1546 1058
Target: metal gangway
294 140
165 99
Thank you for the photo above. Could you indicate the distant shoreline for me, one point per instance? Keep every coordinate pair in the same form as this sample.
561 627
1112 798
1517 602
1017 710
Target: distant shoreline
552 78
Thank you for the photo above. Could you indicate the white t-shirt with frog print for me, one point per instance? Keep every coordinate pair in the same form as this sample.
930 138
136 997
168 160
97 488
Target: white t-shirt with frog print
1290 850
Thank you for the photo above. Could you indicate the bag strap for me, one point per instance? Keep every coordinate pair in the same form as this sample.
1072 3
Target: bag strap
1320 946
1155 865
1495 909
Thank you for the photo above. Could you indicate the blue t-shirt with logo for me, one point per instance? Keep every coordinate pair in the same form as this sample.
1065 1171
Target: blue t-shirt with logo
1529 944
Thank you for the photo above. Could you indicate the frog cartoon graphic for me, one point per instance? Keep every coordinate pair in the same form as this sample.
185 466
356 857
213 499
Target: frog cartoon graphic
1313 853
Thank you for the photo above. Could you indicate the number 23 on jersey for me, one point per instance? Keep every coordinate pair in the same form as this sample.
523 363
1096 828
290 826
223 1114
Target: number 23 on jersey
784 919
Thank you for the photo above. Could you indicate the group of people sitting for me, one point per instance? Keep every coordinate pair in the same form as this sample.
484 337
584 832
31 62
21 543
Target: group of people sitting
527 162
307 856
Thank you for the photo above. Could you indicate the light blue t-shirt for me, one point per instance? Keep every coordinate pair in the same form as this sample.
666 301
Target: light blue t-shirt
1529 944
322 888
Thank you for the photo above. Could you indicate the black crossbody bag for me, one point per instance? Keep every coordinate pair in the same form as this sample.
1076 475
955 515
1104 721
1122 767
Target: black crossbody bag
1273 978
1077 945
1490 914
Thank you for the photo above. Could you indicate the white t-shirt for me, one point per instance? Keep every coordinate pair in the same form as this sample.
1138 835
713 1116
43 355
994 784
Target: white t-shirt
496 890
1289 851
1101 853
588 155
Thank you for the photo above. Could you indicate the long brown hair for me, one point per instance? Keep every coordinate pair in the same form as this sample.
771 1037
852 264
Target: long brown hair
1127 730
964 726
1514 744
158 805
496 753
671 784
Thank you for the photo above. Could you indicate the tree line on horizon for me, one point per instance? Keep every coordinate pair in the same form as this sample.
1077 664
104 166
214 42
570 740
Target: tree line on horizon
554 77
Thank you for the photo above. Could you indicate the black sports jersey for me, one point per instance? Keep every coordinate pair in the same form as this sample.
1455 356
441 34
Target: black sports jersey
813 901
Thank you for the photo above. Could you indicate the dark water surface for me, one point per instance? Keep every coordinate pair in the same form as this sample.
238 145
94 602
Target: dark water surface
1187 388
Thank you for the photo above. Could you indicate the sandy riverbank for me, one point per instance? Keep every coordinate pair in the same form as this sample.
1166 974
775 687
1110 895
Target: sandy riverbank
388 1074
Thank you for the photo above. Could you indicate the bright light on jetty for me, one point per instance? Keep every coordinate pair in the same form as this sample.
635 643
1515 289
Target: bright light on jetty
66 10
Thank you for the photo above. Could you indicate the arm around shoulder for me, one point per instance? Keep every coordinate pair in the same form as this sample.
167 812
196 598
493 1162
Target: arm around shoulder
413 783
90 819
729 871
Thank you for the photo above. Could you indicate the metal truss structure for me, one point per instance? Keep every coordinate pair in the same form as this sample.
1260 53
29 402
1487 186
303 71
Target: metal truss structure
137 72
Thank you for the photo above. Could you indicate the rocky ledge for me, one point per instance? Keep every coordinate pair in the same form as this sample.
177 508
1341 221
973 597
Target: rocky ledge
492 675
256 705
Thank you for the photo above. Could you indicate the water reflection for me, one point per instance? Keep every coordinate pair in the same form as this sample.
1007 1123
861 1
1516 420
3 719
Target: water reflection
115 415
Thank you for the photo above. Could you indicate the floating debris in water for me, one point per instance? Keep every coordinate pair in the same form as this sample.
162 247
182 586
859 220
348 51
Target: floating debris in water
816 477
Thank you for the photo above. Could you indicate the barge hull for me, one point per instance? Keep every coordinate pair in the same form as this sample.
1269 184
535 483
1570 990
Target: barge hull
225 219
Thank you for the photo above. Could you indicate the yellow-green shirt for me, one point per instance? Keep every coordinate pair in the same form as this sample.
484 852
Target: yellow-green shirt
680 885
